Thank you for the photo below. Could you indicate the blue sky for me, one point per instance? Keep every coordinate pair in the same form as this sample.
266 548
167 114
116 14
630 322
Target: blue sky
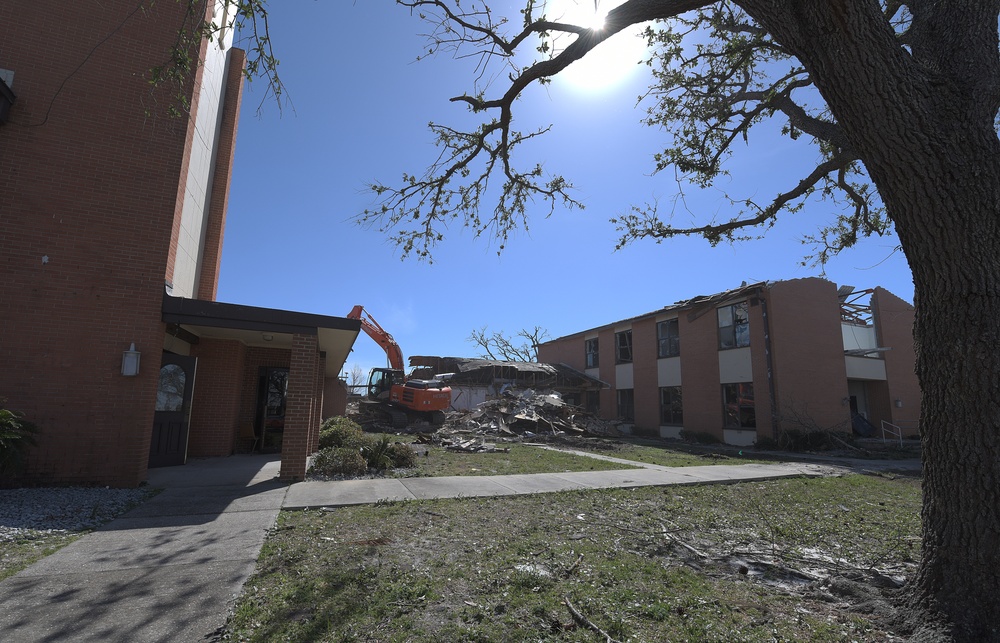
360 105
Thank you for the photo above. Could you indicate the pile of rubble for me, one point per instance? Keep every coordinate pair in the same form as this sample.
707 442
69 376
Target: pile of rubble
529 413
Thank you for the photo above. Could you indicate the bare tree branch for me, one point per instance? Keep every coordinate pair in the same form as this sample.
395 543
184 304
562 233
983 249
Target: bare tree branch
500 347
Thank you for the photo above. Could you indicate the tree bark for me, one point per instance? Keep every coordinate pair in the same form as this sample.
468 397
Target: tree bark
924 126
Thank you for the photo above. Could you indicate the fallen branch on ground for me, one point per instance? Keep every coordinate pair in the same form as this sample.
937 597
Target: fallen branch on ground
586 622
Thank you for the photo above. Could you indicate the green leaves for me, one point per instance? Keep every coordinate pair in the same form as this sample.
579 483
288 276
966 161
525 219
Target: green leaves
17 436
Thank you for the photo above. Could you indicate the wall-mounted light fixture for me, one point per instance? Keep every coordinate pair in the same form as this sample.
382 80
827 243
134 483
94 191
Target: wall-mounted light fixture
130 361
267 338
899 403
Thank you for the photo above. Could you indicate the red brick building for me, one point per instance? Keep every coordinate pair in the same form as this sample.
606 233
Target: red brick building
111 222
747 363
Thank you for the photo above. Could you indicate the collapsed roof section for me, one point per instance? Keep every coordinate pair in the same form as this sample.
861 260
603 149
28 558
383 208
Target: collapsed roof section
696 306
485 372
855 305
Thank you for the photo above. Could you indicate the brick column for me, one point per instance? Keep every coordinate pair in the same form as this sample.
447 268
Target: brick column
299 417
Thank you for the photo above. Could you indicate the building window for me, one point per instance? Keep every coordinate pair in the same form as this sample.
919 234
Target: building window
668 339
671 410
593 402
590 347
734 326
626 405
623 347
738 407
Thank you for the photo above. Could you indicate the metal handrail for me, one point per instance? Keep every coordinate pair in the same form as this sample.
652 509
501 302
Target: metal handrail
898 433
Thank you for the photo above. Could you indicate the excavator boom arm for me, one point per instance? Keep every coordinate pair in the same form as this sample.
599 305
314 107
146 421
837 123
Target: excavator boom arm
381 336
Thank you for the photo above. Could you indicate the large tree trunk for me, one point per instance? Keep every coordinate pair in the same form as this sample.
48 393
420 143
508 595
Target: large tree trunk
923 123
954 250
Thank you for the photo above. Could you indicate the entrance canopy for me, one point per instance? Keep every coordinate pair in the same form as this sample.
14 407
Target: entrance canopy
192 319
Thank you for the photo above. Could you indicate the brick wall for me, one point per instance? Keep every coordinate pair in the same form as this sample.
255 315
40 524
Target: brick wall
334 397
88 192
299 409
808 354
894 326
700 388
215 410
646 377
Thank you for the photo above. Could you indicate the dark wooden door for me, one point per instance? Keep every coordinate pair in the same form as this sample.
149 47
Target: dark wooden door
173 410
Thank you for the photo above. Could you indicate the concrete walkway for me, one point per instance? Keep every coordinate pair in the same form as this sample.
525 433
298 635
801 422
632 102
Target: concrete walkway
170 569
361 492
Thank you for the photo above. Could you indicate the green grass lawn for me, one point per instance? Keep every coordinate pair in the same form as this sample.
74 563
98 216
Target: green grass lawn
741 562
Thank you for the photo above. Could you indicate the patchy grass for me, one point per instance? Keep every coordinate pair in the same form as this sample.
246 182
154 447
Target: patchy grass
521 459
667 455
744 562
21 553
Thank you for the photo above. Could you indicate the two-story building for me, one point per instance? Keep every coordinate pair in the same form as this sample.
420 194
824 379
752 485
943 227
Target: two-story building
752 361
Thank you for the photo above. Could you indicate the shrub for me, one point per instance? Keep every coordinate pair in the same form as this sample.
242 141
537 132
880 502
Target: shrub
403 456
376 453
341 432
805 440
17 435
339 461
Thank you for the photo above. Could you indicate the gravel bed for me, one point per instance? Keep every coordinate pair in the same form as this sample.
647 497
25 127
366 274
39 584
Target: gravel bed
31 513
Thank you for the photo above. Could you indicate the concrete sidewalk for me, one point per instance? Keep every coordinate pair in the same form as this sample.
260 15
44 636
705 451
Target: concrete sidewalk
359 492
169 570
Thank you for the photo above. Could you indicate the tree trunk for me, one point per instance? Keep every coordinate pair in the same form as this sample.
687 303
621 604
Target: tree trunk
923 126
956 272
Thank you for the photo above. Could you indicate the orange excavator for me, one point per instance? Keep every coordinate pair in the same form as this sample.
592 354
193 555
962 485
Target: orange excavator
389 390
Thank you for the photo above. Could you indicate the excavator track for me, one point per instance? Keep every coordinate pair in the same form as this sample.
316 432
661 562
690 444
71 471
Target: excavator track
398 418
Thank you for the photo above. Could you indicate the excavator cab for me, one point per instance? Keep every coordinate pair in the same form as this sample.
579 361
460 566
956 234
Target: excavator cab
381 381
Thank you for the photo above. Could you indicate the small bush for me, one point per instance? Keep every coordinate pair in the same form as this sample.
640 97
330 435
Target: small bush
805 440
341 432
402 455
376 453
339 461
17 436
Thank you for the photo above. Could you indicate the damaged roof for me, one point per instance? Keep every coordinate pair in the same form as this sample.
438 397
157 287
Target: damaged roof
470 370
694 303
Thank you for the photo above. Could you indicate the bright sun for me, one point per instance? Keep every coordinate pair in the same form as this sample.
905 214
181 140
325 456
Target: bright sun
610 63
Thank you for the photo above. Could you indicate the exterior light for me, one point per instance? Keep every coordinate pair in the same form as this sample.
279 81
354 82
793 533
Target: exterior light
267 338
899 403
130 361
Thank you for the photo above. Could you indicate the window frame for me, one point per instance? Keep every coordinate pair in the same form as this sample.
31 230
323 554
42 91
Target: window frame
592 349
672 342
735 330
740 396
619 357
628 405
671 410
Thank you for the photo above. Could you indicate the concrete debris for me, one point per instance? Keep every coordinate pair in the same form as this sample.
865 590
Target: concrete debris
528 413
472 446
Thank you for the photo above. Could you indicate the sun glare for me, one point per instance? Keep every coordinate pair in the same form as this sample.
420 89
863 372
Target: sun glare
610 63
